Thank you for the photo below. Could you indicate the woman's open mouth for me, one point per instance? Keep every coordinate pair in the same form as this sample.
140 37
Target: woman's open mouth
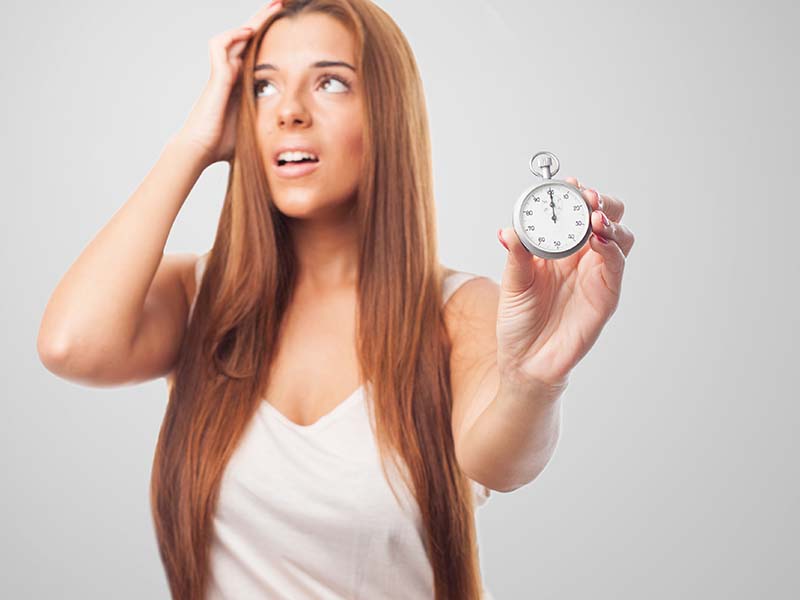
294 169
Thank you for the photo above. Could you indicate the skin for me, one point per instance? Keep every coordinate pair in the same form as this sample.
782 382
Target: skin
298 105
505 395
535 328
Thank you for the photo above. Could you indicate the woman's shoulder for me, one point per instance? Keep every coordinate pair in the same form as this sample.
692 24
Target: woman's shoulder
454 280
194 278
200 265
449 273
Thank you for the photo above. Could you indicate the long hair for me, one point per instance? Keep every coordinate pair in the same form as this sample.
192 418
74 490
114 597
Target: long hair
402 343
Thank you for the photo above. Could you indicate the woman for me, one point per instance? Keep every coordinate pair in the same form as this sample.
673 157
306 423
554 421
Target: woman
317 355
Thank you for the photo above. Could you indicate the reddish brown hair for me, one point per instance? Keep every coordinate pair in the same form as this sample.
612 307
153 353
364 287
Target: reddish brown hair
403 346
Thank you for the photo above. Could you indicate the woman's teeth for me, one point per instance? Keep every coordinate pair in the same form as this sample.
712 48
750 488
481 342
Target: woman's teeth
302 160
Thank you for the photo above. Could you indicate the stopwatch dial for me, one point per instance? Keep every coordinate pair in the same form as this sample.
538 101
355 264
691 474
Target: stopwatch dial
554 217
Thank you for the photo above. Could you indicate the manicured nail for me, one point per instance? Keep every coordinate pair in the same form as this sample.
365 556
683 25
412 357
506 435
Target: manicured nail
605 219
500 237
599 199
600 238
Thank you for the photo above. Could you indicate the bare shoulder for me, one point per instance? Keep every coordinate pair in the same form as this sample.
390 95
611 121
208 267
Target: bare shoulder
471 320
475 300
446 271
183 265
179 268
472 310
189 275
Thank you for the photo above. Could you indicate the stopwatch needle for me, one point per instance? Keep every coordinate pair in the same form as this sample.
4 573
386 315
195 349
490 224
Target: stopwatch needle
553 206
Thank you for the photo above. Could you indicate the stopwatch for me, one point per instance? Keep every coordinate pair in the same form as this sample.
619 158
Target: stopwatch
552 219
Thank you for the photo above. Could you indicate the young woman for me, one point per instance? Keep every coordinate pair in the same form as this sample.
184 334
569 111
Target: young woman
336 410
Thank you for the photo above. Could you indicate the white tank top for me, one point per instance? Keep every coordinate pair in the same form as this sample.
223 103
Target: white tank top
304 512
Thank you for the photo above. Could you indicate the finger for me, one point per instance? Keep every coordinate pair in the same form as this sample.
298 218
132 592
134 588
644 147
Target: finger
219 44
613 259
594 200
624 237
611 205
612 231
613 208
518 272
238 45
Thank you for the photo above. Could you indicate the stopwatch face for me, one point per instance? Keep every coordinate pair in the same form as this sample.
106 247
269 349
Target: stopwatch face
552 219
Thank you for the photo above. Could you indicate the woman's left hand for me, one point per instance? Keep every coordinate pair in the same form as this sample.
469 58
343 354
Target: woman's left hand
551 312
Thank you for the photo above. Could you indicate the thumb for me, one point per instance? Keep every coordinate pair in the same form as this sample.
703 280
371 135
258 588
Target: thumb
518 272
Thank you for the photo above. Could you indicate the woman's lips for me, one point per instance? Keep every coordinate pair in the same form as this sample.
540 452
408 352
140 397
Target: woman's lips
295 170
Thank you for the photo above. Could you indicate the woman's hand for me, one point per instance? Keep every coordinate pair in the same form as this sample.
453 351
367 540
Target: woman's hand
211 125
551 312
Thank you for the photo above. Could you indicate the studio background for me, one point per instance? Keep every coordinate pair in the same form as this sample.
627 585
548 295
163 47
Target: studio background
672 476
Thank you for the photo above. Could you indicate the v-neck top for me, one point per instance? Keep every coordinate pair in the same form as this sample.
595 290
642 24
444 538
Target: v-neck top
305 511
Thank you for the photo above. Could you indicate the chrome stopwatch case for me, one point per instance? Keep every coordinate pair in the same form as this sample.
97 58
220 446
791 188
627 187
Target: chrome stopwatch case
552 218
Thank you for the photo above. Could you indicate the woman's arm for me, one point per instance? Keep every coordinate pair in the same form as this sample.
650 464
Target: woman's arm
111 294
119 313
504 434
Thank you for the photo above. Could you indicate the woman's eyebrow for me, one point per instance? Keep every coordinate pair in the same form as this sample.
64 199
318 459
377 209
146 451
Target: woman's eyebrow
320 64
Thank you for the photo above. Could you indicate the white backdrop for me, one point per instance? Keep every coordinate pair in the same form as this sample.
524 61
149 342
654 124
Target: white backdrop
672 478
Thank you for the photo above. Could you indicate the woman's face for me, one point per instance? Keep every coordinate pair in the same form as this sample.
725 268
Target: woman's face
314 107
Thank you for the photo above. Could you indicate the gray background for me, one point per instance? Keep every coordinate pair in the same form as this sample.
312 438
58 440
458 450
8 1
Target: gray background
672 478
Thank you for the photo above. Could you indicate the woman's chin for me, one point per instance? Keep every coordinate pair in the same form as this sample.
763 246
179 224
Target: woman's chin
311 206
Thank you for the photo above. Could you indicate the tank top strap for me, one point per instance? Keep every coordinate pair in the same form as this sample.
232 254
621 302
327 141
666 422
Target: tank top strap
450 284
199 269
454 281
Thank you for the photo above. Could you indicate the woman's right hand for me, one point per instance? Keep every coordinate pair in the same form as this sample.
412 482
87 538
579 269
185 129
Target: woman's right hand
211 125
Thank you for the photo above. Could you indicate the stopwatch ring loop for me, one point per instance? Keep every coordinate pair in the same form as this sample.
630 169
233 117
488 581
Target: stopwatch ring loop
551 155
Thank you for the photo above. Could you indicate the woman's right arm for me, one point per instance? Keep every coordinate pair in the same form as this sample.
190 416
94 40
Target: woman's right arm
118 314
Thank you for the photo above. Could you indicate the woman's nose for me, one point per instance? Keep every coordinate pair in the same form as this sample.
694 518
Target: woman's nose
292 110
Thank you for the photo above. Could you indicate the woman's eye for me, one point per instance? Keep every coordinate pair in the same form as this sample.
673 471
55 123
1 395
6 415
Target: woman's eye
260 84
341 82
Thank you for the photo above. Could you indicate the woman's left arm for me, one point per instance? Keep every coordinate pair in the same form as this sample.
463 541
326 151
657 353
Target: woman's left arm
506 407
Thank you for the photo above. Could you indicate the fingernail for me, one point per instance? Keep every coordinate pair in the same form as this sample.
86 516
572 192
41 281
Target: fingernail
599 199
600 238
500 237
605 219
